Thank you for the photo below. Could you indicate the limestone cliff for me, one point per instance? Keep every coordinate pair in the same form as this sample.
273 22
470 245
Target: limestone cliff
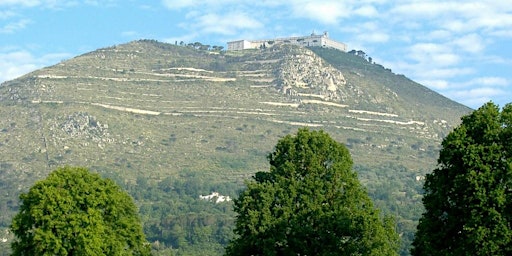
303 71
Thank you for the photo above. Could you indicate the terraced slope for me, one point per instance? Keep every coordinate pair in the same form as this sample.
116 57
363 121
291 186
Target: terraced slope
154 110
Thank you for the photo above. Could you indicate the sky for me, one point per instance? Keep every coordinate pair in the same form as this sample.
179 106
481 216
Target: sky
459 48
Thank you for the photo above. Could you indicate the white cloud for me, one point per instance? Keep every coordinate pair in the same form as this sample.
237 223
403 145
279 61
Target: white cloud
373 37
238 19
204 4
444 59
442 73
502 33
487 81
436 35
492 21
479 82
478 94
428 48
473 92
6 14
226 24
457 16
473 101
14 26
419 10
446 9
26 3
94 2
326 12
366 11
130 33
472 97
15 64
19 62
456 26
435 55
179 4
52 4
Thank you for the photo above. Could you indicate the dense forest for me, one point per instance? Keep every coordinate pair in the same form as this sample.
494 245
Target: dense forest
176 219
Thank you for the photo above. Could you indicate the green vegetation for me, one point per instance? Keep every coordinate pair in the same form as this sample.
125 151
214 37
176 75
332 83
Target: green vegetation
170 122
468 198
310 203
75 212
414 98
177 221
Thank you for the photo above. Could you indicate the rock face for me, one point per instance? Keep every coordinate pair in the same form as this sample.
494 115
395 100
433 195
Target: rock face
302 73
81 124
307 72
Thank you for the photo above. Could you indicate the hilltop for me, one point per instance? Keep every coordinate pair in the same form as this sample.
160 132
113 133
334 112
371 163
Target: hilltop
146 111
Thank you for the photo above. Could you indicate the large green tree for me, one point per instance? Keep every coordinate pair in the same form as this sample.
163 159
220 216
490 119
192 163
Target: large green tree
468 198
310 203
76 212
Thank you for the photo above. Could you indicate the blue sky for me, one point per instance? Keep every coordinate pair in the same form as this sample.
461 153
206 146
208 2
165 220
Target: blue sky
461 49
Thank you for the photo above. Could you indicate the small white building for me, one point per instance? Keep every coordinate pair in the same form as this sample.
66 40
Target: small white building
306 41
215 197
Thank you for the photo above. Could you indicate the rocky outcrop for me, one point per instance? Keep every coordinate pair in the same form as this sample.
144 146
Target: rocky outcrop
83 125
303 71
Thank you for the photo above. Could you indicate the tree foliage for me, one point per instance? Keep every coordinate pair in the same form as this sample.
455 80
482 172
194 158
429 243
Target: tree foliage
177 221
75 212
468 198
310 203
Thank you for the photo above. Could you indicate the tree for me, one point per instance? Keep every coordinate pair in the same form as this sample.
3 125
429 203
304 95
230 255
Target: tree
468 197
310 203
75 212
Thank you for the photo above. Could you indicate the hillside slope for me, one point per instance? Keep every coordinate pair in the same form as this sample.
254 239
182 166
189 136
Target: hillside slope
149 110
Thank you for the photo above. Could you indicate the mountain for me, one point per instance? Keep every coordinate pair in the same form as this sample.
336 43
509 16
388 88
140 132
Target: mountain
146 113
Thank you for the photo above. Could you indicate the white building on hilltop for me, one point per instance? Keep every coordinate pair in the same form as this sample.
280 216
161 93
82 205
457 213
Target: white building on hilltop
306 41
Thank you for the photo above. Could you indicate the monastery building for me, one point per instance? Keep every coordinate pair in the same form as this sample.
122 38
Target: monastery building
306 41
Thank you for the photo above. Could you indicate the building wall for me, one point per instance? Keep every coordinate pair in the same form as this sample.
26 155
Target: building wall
306 41
334 44
239 45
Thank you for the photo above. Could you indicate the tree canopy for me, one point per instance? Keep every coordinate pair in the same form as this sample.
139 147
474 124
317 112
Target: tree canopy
468 198
75 212
310 203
